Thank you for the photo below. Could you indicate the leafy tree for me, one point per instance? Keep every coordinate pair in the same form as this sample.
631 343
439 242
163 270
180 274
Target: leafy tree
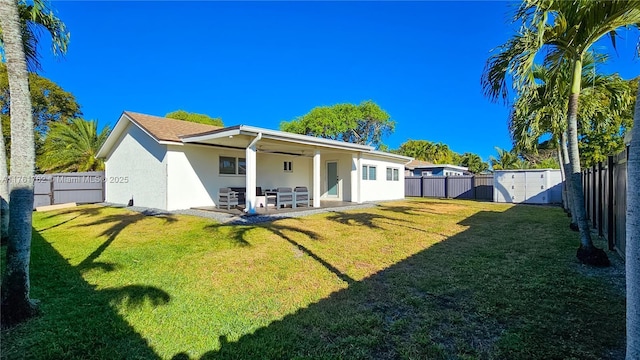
364 124
194 117
632 250
50 104
613 116
567 29
73 147
17 36
437 153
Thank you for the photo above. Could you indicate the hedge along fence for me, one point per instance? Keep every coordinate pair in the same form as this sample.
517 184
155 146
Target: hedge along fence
478 187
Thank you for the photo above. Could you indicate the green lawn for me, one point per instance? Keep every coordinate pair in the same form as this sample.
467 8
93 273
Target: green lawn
409 279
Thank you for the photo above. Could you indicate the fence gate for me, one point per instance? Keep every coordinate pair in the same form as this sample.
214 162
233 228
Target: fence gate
81 188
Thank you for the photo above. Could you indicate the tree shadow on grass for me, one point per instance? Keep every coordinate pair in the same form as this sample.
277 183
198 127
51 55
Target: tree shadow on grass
77 321
118 223
491 291
79 308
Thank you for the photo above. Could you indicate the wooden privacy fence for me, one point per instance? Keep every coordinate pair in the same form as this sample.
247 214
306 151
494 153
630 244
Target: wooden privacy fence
605 196
479 187
81 187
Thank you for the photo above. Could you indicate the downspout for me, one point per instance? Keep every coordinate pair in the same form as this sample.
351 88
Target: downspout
251 176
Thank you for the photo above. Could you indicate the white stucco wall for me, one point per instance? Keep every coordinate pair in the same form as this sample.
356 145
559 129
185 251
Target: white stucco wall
194 178
136 168
271 172
345 168
381 188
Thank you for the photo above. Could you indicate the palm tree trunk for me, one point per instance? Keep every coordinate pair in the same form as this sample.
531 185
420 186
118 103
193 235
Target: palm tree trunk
4 192
587 253
567 171
565 200
16 303
632 250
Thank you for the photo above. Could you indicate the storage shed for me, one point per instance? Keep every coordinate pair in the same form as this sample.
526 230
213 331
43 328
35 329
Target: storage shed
538 186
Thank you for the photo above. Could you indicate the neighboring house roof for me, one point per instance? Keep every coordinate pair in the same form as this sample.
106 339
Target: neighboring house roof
420 164
165 129
417 164
171 131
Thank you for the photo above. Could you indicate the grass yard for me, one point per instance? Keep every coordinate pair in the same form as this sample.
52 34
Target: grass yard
422 279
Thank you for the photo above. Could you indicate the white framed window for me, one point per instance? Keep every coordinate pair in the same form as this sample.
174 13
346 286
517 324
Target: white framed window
288 166
368 172
393 174
232 165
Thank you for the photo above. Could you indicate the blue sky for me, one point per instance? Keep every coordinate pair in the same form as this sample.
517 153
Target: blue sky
260 63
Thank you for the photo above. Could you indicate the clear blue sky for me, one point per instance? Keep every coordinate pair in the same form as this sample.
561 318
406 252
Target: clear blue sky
259 63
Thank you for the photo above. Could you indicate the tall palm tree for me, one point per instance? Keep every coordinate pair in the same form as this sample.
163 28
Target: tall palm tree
33 20
567 29
632 250
73 147
16 302
540 109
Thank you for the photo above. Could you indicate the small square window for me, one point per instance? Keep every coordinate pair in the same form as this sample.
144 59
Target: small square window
372 172
288 166
227 165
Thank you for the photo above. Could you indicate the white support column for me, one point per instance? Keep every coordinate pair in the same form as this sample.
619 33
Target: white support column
359 180
355 176
251 176
316 179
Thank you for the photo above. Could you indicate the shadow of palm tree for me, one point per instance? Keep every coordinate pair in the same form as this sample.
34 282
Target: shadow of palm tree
281 230
235 234
118 223
82 311
455 299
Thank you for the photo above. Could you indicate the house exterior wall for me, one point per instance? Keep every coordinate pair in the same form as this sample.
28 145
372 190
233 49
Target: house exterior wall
381 188
194 177
136 168
344 168
271 173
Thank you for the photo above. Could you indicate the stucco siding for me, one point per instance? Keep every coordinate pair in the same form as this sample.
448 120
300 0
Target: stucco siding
271 173
136 168
194 179
381 188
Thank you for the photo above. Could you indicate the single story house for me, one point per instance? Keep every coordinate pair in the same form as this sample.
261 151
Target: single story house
425 168
172 164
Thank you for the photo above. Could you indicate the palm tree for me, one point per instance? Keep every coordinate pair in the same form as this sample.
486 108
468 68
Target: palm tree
506 160
632 250
33 19
16 303
73 147
567 29
540 108
4 193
